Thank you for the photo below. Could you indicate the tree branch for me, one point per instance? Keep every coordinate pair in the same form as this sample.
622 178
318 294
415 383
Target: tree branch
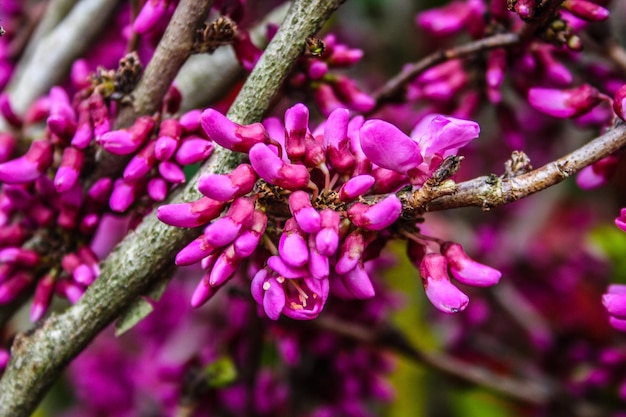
492 191
147 254
525 391
395 86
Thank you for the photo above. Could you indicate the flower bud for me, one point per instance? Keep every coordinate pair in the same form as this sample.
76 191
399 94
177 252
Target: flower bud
170 132
172 172
586 10
127 141
292 245
193 149
377 216
236 183
296 129
615 301
231 135
356 187
14 285
357 281
28 167
224 267
247 242
302 210
466 270
69 169
572 102
350 252
141 163
439 290
276 171
150 15
226 229
193 214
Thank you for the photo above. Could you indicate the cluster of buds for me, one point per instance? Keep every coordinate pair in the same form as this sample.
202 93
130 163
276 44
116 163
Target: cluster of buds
310 209
47 194
315 72
436 268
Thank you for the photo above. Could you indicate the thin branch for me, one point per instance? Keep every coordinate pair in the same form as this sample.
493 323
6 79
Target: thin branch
535 392
173 50
395 86
492 191
170 55
525 391
147 254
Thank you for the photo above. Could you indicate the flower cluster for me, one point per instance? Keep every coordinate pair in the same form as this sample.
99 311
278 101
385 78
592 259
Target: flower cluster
46 195
312 208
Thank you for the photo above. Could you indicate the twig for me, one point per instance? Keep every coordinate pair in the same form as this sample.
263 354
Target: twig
526 391
147 254
394 86
492 191
170 55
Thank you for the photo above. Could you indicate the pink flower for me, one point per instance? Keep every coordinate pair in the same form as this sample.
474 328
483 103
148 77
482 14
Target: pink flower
563 104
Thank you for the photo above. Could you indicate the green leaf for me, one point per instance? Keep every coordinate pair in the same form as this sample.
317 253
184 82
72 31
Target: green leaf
220 373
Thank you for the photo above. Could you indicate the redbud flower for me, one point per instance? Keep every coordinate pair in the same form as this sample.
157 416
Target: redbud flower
151 13
356 187
615 301
7 145
357 281
231 135
127 141
194 214
327 239
13 286
170 132
305 215
69 169
621 220
439 290
377 216
586 10
28 167
276 171
619 102
467 270
62 118
572 102
226 187
225 229
386 146
42 297
4 358
292 245
598 173
247 242
350 252
224 267
193 149
444 21
7 111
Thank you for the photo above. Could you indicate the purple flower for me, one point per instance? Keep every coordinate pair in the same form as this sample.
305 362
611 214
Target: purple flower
466 270
439 290
563 104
